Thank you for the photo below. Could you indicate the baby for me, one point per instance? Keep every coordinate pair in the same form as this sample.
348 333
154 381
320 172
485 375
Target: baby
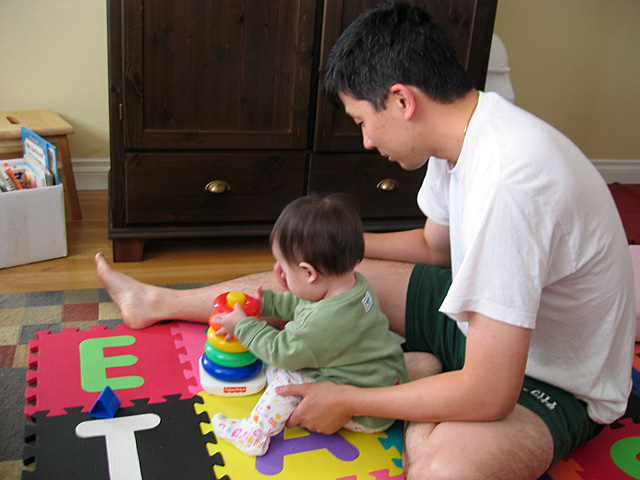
337 331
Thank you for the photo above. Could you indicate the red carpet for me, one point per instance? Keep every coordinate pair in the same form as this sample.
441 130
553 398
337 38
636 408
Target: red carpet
627 198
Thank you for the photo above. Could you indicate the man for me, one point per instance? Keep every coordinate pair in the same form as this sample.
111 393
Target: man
540 288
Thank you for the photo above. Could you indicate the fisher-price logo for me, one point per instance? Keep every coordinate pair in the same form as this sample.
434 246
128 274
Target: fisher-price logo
235 389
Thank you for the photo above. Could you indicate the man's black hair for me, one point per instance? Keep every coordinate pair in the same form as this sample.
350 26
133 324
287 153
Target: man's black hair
394 43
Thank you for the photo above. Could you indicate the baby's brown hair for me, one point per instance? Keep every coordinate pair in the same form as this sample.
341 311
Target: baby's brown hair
324 231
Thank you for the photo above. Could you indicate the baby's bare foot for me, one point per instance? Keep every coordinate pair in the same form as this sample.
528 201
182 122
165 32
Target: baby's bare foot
133 298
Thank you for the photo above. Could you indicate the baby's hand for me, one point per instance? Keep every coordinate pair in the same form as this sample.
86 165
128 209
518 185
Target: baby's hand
258 297
229 321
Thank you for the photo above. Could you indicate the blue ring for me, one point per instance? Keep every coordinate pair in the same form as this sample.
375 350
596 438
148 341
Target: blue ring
228 374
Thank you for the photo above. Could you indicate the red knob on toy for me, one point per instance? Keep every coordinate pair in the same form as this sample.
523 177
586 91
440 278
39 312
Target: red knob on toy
225 302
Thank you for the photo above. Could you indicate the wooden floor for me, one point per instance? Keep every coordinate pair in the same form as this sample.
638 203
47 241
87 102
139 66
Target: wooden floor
165 261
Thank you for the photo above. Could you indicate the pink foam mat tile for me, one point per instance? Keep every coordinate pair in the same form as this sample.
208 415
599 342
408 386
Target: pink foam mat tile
190 339
71 368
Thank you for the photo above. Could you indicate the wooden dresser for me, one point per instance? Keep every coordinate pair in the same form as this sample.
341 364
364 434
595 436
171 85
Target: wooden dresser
217 121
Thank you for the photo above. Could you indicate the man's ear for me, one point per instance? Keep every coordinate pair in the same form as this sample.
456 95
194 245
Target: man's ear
402 96
312 273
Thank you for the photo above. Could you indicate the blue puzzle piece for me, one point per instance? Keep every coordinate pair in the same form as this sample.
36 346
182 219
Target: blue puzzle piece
107 404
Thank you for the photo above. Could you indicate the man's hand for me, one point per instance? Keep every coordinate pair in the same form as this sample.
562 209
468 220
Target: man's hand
322 408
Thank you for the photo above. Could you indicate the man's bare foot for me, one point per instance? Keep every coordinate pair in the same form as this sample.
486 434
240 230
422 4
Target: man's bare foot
134 299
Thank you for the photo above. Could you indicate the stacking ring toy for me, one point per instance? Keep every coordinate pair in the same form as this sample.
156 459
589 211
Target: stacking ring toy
226 359
227 367
231 374
225 345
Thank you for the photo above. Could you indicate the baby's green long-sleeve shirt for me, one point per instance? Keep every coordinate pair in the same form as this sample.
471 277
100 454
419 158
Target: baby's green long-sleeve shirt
344 338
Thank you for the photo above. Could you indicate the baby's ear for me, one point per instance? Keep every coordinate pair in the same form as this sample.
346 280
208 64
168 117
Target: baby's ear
312 273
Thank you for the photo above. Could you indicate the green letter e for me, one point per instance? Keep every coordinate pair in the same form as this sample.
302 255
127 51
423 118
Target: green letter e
93 364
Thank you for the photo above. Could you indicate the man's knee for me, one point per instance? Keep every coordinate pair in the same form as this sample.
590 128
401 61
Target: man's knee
420 457
420 465
519 447
422 461
421 364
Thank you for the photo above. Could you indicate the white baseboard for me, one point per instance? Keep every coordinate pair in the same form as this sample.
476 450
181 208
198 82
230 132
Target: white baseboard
621 171
91 173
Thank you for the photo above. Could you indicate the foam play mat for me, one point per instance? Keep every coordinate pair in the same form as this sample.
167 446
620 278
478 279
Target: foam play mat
162 429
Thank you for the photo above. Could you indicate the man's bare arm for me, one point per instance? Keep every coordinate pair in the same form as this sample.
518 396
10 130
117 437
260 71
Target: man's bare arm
486 389
429 245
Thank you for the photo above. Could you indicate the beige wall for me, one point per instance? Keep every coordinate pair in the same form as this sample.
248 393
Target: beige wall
575 63
53 54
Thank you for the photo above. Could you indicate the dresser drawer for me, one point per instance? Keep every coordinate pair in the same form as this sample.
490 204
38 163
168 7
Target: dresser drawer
382 189
169 188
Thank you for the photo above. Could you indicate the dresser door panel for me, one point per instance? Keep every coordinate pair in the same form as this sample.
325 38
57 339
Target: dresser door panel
217 74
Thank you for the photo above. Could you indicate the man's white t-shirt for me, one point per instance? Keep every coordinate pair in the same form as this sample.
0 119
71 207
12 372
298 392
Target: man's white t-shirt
537 242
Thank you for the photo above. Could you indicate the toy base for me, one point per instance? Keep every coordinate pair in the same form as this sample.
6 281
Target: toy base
232 389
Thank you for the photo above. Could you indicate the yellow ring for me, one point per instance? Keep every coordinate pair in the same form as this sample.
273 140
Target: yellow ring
233 346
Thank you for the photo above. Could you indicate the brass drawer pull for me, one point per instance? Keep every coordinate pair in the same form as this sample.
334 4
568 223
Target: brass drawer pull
217 186
388 185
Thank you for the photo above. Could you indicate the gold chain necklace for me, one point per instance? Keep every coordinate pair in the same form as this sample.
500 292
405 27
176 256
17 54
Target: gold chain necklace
472 112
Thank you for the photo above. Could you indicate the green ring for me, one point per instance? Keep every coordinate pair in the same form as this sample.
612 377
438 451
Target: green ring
228 359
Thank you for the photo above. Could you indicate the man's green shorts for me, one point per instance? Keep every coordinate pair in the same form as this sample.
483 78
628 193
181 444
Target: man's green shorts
428 330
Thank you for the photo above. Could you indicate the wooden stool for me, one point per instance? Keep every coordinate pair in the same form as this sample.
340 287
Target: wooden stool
50 126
